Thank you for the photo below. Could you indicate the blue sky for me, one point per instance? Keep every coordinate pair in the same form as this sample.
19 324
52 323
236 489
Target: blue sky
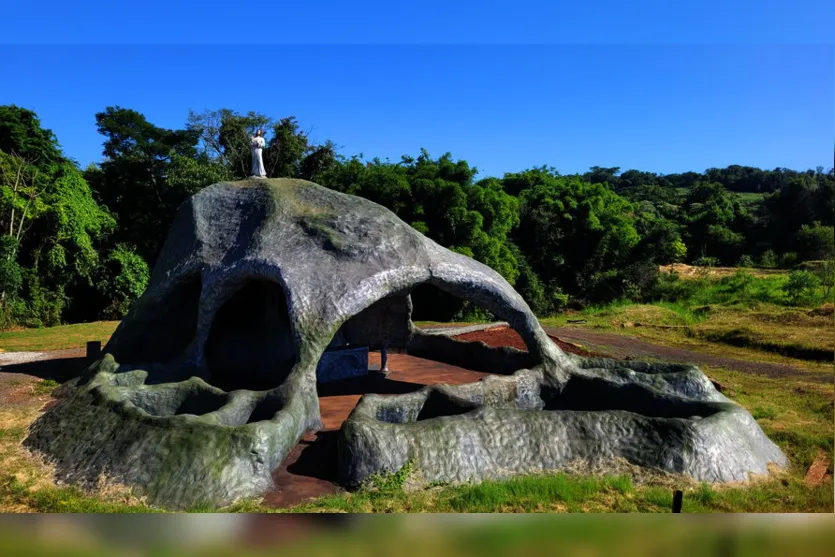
608 94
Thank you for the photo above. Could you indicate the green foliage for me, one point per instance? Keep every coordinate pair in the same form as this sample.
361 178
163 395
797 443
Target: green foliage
11 279
572 232
826 274
788 260
393 482
225 139
715 221
187 176
21 134
768 260
589 238
133 181
815 242
802 287
45 386
123 278
706 262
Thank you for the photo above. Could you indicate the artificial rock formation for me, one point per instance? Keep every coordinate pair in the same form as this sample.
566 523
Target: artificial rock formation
210 380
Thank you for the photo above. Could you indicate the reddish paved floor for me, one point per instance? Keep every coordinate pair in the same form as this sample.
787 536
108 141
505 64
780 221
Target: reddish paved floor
505 336
310 469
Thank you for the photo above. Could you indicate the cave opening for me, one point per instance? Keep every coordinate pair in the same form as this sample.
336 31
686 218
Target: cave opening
250 343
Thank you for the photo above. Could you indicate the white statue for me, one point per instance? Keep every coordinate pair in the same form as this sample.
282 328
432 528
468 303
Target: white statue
257 142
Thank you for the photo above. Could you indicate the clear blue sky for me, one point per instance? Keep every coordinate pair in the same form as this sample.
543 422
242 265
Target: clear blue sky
609 94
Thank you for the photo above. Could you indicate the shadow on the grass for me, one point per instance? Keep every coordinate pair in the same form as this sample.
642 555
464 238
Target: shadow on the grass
58 369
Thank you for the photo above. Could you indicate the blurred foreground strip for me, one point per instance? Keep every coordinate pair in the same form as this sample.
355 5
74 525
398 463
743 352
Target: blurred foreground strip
416 535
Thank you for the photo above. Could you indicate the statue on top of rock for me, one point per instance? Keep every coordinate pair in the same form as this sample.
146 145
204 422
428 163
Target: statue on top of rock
258 143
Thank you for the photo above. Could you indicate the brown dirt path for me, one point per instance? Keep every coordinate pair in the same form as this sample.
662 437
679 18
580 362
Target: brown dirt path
626 347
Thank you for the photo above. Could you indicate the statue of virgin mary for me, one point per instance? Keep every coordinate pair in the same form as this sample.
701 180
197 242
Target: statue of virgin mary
257 142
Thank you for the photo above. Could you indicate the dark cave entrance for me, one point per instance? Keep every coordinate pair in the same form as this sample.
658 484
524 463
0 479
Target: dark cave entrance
164 333
250 344
431 303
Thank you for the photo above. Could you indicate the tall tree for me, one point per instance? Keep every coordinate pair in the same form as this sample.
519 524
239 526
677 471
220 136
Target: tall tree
21 134
573 231
148 171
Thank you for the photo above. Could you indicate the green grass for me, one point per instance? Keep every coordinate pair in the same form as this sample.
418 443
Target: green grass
45 387
65 499
56 338
746 196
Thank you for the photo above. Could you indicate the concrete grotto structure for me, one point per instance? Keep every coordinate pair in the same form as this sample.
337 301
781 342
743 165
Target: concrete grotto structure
210 380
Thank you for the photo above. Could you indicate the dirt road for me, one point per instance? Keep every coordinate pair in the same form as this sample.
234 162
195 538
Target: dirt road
626 347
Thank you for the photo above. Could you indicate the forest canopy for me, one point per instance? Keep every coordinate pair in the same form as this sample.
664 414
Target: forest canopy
77 244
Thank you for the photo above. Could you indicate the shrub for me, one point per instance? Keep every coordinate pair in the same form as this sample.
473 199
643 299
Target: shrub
802 287
639 280
788 260
826 274
124 278
768 259
705 261
745 261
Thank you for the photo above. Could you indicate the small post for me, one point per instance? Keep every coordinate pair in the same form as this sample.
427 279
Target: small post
384 359
678 497
93 350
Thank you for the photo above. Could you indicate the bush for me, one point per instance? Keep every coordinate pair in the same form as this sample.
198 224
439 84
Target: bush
788 260
768 260
816 241
42 306
802 288
745 261
826 274
123 278
706 262
639 280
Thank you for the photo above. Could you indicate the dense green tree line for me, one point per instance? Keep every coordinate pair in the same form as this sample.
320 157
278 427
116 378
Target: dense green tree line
78 245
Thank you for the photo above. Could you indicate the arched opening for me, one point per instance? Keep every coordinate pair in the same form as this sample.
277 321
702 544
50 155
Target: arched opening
163 332
250 343
432 307
411 322
431 303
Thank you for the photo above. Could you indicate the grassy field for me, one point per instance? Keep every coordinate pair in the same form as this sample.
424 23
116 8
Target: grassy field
796 411
746 196
56 338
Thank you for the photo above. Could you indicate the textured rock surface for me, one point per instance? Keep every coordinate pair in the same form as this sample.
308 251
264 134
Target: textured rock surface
211 379
666 417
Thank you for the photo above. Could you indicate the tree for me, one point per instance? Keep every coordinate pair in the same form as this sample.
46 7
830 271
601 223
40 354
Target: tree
147 173
49 224
21 134
123 277
601 175
715 221
573 232
815 242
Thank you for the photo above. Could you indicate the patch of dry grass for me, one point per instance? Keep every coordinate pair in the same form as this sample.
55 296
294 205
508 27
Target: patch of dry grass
28 481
